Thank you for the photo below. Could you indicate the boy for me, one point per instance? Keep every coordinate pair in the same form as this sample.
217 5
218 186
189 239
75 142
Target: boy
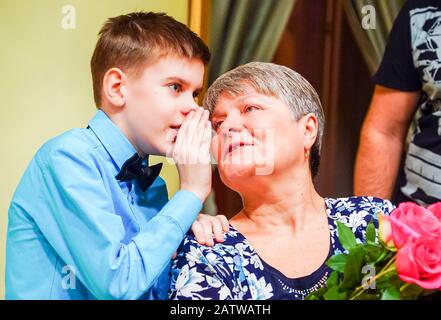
90 219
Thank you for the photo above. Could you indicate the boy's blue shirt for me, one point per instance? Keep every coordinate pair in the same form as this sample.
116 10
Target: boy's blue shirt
75 232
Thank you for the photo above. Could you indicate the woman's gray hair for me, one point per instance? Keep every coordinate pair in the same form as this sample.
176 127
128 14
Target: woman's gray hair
273 80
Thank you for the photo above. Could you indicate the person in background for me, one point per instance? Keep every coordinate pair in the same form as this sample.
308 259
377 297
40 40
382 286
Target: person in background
408 81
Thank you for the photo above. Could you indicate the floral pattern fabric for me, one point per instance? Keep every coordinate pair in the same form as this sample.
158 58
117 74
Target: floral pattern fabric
233 270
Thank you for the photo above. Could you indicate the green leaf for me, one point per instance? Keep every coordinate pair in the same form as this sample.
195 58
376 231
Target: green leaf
371 236
368 296
317 295
352 275
391 293
333 279
337 262
333 294
346 236
374 253
434 294
410 291
387 280
332 286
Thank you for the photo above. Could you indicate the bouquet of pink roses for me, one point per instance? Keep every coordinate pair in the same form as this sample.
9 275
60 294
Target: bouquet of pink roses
404 264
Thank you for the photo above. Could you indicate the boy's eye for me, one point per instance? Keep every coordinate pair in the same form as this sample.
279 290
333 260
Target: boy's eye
175 87
216 125
196 94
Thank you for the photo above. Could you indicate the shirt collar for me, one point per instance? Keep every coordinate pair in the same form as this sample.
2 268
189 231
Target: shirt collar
112 138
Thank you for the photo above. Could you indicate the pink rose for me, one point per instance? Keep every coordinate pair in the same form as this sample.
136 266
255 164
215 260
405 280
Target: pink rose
419 262
436 209
385 230
411 220
416 231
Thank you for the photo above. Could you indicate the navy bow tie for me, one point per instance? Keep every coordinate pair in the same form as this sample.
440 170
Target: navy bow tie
133 168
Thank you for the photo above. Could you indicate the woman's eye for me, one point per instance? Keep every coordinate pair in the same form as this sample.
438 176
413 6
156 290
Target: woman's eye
251 108
176 87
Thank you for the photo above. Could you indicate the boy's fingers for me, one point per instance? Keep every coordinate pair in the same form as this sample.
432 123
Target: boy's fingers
195 128
198 232
207 228
224 221
204 155
217 230
185 124
189 135
182 133
204 119
201 127
207 133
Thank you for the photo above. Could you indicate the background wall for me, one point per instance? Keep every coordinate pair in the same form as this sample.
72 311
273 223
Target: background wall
45 82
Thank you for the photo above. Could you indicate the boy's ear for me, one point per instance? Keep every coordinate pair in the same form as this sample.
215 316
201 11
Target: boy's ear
113 87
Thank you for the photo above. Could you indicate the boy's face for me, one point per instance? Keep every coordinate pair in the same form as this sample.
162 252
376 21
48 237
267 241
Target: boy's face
157 102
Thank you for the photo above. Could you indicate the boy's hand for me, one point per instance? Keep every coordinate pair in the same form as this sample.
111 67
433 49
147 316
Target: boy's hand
207 227
192 153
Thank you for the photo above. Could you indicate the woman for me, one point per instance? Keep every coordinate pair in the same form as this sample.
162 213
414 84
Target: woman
269 126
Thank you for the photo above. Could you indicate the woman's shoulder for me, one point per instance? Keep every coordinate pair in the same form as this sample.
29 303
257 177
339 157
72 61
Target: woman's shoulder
356 213
367 204
219 272
231 238
209 269
234 244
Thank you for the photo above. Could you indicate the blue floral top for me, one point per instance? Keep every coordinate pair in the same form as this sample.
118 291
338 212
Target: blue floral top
233 269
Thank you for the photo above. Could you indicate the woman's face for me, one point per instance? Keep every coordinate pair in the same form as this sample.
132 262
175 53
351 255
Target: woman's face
255 135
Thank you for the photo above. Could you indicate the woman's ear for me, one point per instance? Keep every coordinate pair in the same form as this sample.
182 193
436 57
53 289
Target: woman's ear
114 87
310 125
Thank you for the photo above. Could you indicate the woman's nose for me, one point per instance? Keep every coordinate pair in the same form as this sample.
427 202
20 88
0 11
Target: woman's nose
231 127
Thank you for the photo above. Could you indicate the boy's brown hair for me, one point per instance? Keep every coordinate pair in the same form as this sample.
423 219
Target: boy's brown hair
132 41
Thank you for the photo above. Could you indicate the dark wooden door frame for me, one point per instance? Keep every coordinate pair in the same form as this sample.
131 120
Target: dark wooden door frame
325 180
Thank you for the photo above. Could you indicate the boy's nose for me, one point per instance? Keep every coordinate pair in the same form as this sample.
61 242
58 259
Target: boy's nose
190 106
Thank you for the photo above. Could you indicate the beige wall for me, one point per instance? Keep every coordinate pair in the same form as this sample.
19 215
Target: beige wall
45 83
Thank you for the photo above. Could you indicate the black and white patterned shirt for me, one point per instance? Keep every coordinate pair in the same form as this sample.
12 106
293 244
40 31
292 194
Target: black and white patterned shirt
412 61
233 270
